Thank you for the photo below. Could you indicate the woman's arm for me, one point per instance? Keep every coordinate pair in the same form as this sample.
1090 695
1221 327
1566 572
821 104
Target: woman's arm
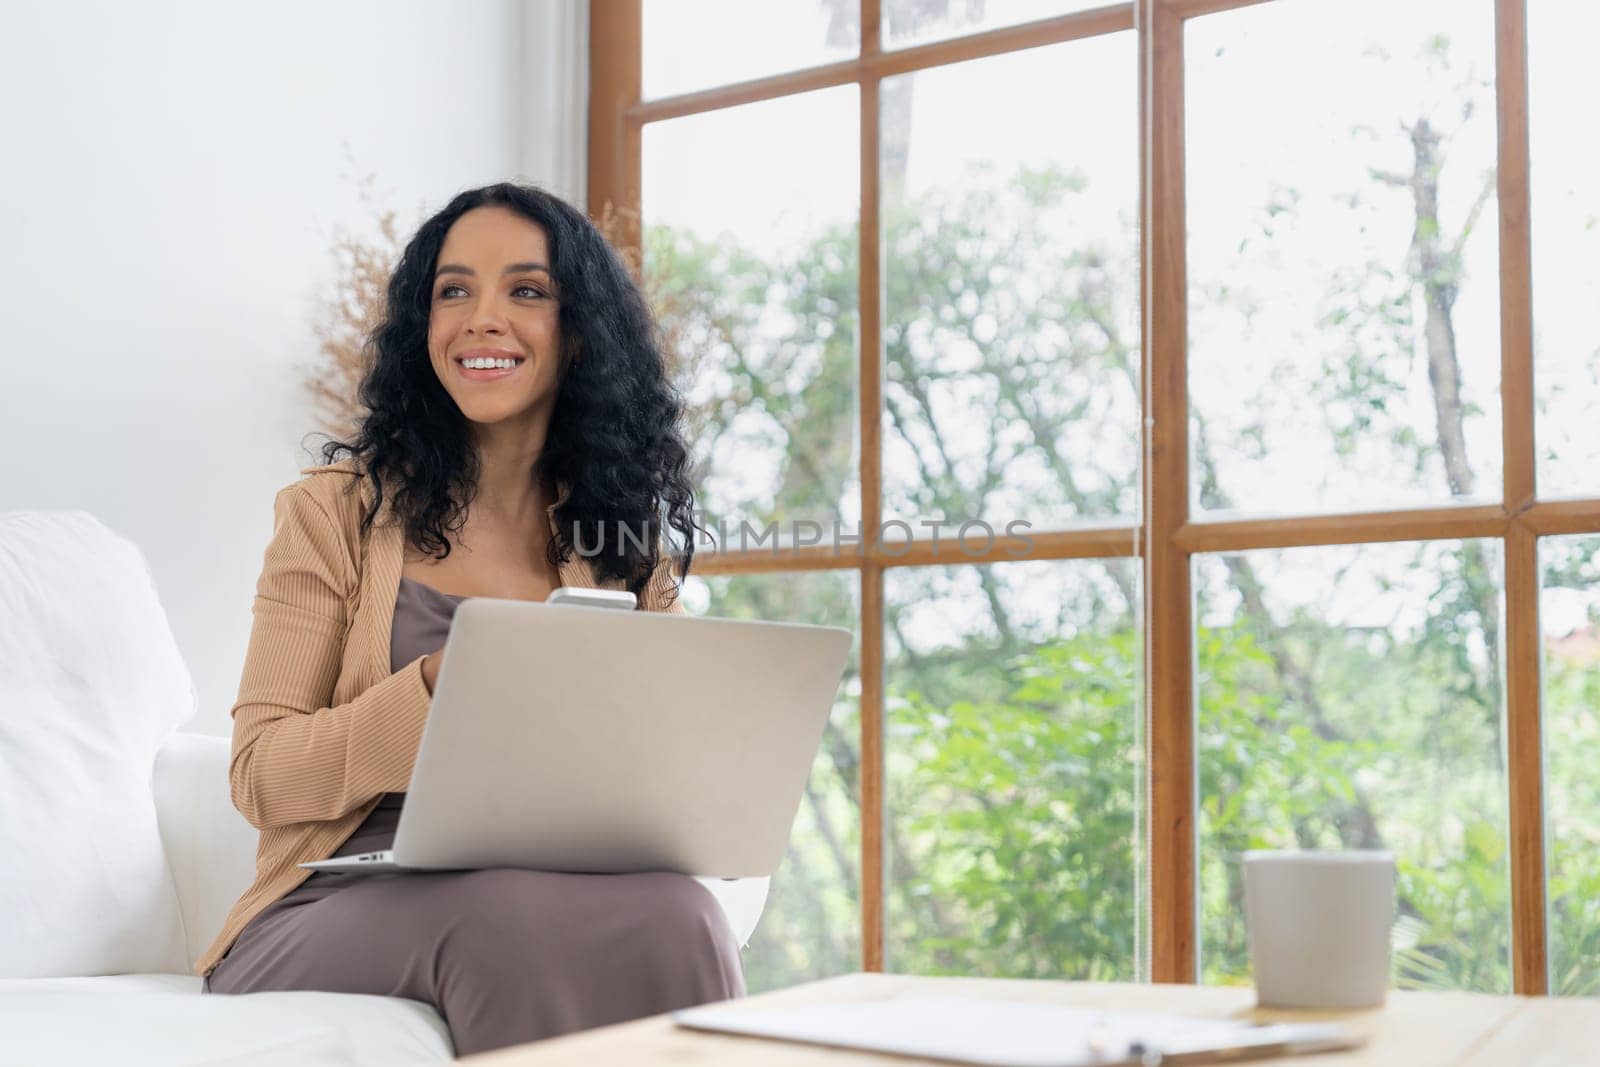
294 758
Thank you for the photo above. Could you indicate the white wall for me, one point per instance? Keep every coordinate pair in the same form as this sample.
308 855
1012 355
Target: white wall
175 174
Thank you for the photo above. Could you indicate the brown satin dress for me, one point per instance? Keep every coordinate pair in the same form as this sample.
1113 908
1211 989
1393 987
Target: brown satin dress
506 955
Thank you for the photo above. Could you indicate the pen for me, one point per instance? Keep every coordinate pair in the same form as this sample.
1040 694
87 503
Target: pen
1273 1039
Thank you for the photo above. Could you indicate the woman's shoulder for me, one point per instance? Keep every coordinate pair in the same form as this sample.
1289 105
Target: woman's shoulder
339 488
345 468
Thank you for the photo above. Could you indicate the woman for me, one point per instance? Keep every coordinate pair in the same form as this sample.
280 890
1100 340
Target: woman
517 410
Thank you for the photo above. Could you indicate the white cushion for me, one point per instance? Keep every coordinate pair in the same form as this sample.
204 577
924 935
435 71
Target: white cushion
163 1020
91 682
742 900
211 849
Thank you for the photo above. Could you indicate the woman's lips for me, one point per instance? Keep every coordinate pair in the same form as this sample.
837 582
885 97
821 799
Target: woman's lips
487 374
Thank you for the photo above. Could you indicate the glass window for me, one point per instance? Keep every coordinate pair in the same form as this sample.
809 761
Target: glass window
909 22
751 259
1014 769
1565 211
1344 335
689 45
1569 613
1010 263
1350 697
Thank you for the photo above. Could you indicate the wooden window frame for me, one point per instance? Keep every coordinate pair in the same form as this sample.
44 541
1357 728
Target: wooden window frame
1168 536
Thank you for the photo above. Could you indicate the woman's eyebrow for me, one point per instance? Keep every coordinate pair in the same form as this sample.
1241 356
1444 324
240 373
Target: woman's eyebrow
515 268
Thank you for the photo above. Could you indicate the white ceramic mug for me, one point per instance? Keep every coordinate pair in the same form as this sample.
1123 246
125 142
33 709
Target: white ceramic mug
1318 924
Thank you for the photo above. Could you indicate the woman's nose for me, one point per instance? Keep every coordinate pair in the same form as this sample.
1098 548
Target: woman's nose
487 314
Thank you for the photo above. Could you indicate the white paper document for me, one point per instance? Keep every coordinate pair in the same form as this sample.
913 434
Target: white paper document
1011 1034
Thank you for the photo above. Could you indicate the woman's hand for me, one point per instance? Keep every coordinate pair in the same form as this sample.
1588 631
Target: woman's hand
430 668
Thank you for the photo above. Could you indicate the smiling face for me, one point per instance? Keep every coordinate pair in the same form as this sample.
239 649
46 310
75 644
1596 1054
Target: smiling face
493 295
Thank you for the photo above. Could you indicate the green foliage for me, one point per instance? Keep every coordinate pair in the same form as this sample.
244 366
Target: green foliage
1019 814
1572 810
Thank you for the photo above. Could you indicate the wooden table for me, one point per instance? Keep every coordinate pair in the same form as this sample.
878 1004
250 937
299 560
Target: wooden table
1424 1029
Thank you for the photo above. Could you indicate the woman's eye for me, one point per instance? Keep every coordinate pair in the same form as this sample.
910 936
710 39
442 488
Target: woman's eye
535 290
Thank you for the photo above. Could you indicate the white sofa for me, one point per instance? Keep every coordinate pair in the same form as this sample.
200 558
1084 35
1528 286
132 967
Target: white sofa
120 849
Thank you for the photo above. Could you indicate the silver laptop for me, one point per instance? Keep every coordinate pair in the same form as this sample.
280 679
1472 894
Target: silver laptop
586 739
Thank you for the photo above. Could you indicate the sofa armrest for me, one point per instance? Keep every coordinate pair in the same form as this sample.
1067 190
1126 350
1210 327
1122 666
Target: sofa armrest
211 849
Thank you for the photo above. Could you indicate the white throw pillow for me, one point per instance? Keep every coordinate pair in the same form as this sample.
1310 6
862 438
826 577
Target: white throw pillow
91 682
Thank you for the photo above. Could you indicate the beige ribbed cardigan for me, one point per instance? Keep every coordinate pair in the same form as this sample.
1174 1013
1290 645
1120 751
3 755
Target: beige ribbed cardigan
321 729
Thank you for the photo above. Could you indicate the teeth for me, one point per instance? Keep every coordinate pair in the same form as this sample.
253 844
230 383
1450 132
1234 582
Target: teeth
485 364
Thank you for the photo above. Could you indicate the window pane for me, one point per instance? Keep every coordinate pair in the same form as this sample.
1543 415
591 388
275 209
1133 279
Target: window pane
811 926
1014 769
751 265
1012 289
908 22
1344 279
1350 697
1569 612
689 45
1565 187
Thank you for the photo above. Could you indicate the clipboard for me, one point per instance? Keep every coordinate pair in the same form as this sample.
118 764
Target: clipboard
997 1033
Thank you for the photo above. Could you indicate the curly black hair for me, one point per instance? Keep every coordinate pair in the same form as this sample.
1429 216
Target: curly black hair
615 439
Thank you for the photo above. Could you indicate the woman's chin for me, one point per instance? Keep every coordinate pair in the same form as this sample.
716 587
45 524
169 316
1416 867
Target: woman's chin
486 411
